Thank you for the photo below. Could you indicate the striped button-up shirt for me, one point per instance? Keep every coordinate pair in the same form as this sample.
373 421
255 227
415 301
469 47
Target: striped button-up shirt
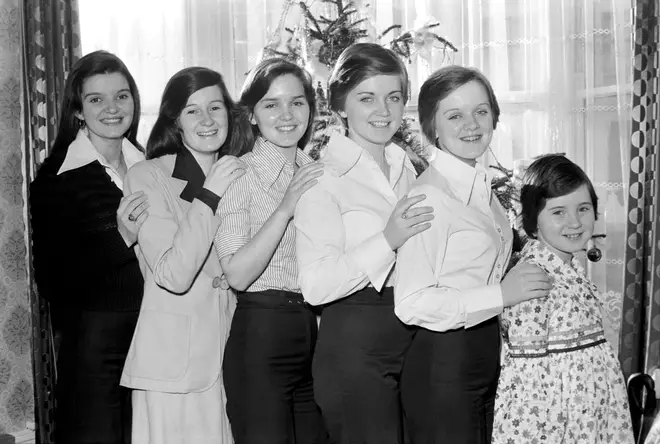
247 205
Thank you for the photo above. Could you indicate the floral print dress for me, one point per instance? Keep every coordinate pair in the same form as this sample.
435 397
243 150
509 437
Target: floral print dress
560 380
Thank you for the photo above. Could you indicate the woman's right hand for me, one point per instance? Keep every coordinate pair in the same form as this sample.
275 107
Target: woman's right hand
405 221
305 178
523 282
223 173
131 214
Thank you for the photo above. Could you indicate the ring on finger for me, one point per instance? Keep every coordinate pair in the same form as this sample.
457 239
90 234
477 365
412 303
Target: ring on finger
131 217
404 215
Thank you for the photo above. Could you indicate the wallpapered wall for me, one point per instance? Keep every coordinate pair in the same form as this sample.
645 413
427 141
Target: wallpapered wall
16 397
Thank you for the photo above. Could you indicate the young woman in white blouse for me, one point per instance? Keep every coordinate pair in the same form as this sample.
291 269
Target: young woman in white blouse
349 227
449 278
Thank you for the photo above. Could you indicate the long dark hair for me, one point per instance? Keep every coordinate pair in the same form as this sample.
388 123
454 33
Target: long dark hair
256 86
94 63
165 137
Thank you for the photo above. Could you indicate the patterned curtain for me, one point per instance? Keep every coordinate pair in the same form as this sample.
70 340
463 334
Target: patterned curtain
51 44
640 332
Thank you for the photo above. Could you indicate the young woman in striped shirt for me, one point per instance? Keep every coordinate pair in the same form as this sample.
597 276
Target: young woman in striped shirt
267 366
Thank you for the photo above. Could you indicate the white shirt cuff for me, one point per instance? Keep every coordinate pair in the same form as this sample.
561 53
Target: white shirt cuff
375 257
482 304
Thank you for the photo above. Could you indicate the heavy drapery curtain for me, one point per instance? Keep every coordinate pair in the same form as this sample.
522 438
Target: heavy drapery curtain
640 333
50 45
561 70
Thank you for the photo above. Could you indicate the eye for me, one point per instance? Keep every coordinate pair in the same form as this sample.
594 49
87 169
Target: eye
270 106
124 96
95 100
192 111
217 108
482 112
395 99
558 213
366 99
455 117
585 209
300 103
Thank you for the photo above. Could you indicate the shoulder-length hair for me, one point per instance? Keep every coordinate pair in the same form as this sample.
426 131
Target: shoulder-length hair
550 176
358 63
256 86
165 137
443 82
94 63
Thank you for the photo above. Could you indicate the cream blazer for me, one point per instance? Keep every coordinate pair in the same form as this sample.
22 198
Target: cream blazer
187 308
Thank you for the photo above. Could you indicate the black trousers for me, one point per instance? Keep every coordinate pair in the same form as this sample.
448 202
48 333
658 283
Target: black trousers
448 385
91 407
357 366
268 371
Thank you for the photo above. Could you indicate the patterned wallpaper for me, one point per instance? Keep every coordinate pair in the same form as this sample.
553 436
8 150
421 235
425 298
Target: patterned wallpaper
16 396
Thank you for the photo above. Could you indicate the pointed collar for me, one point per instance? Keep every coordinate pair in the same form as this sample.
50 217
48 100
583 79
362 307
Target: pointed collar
269 161
461 177
343 153
82 152
538 252
186 168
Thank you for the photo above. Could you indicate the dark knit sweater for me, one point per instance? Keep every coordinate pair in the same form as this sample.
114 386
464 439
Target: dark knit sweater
80 259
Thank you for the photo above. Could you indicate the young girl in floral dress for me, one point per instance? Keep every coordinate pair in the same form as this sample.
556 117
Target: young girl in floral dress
560 380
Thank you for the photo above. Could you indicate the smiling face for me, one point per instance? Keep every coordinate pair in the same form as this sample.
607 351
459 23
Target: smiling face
373 110
464 122
282 114
203 121
107 106
566 223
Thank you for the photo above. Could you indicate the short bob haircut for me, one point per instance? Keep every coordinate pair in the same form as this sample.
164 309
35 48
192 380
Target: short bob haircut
165 137
550 176
443 82
256 86
92 64
358 63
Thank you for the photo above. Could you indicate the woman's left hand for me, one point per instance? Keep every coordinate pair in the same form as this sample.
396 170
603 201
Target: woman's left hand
131 214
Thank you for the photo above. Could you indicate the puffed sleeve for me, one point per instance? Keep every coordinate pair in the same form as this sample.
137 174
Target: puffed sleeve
425 296
327 270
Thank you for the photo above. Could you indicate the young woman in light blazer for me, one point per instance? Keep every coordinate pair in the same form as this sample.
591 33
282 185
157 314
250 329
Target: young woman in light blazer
176 354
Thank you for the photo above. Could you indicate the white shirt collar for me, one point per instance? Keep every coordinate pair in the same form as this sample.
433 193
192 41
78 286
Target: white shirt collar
82 152
462 177
344 153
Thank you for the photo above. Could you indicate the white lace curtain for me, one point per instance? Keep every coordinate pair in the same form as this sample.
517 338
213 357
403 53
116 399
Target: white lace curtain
561 70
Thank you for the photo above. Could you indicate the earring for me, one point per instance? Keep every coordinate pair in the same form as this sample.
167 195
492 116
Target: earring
593 252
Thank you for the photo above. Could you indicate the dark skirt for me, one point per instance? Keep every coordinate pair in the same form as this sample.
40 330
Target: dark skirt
449 382
267 370
357 366
91 407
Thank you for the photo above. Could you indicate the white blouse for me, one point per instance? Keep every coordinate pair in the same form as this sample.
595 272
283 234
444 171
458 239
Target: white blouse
340 246
82 152
449 276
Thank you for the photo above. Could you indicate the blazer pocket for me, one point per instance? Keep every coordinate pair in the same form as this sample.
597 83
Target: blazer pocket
161 348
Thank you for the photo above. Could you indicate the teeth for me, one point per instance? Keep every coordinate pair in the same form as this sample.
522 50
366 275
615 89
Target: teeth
112 121
208 133
470 138
380 124
573 236
286 128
